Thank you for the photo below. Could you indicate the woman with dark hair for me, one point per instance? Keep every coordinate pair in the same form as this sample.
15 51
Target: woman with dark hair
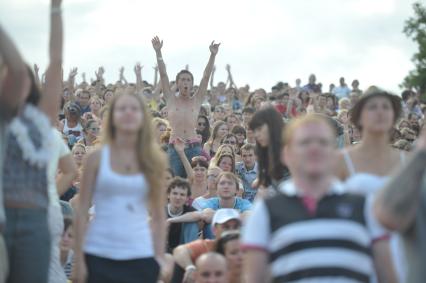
331 105
72 126
25 178
241 135
203 128
304 98
267 125
367 166
220 129
229 245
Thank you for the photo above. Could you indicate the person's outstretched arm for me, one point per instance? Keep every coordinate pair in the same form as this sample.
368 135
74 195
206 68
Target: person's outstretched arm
155 76
139 81
212 77
165 84
16 83
202 89
230 77
122 78
396 204
49 102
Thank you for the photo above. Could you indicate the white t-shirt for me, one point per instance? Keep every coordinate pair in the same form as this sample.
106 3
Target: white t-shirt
59 149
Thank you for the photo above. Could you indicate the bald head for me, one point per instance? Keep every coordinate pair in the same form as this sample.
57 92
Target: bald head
211 268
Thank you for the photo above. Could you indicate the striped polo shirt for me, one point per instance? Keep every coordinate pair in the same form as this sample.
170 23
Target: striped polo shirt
328 241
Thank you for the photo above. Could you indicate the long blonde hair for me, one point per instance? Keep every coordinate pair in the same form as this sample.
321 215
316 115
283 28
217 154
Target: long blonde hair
151 158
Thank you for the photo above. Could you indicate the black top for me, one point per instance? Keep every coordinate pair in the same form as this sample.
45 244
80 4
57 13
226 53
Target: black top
174 237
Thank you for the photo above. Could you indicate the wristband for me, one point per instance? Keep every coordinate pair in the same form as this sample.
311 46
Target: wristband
56 10
190 268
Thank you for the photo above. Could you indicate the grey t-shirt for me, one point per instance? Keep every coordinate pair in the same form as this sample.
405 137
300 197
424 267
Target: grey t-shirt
415 243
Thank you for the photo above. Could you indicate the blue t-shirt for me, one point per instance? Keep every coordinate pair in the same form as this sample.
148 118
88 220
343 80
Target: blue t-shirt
241 205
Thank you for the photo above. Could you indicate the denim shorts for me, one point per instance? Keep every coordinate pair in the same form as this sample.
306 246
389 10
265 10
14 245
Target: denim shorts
28 245
176 164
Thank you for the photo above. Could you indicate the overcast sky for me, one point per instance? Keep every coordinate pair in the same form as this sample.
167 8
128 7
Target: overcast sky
265 41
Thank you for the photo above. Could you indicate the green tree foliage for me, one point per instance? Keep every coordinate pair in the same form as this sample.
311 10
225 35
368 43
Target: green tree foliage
415 29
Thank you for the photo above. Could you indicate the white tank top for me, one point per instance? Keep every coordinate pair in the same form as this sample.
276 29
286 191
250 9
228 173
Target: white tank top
120 229
366 184
77 131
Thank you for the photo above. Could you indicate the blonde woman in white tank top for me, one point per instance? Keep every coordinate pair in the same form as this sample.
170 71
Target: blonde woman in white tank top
123 180
366 166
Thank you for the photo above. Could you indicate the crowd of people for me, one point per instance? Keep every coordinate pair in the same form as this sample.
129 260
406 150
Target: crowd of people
172 181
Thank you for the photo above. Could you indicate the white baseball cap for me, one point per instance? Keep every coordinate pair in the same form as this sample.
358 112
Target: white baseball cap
224 215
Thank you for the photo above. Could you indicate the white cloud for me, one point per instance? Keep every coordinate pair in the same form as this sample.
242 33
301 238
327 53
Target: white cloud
265 41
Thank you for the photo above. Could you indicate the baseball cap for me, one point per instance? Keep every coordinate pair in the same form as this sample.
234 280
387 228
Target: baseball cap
224 215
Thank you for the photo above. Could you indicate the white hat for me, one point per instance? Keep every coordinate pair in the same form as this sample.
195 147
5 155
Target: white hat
224 215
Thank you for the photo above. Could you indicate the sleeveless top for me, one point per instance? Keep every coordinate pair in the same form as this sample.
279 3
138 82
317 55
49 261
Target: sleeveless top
120 229
25 182
76 131
366 184
363 182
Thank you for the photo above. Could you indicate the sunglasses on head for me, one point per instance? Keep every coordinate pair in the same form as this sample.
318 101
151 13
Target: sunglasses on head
198 158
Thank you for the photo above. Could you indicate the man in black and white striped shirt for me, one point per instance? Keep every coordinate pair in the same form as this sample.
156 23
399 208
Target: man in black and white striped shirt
311 231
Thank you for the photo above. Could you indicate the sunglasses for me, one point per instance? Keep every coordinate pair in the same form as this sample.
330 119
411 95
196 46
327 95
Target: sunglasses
201 124
198 158
230 142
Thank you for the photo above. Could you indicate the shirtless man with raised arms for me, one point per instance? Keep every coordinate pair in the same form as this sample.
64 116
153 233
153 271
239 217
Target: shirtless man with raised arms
183 107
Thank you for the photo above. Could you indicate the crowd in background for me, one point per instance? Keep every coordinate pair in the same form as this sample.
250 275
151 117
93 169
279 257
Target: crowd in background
85 174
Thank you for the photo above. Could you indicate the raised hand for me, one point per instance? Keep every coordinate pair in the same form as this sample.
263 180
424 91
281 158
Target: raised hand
121 70
36 68
179 145
155 68
138 69
228 68
99 74
187 67
214 48
73 72
83 77
157 43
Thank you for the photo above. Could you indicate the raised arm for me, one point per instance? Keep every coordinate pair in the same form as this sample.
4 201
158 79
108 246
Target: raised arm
36 75
202 89
165 84
397 203
49 102
17 83
180 149
122 78
71 79
139 81
155 75
230 77
212 77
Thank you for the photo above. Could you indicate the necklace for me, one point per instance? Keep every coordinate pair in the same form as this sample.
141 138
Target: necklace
172 214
